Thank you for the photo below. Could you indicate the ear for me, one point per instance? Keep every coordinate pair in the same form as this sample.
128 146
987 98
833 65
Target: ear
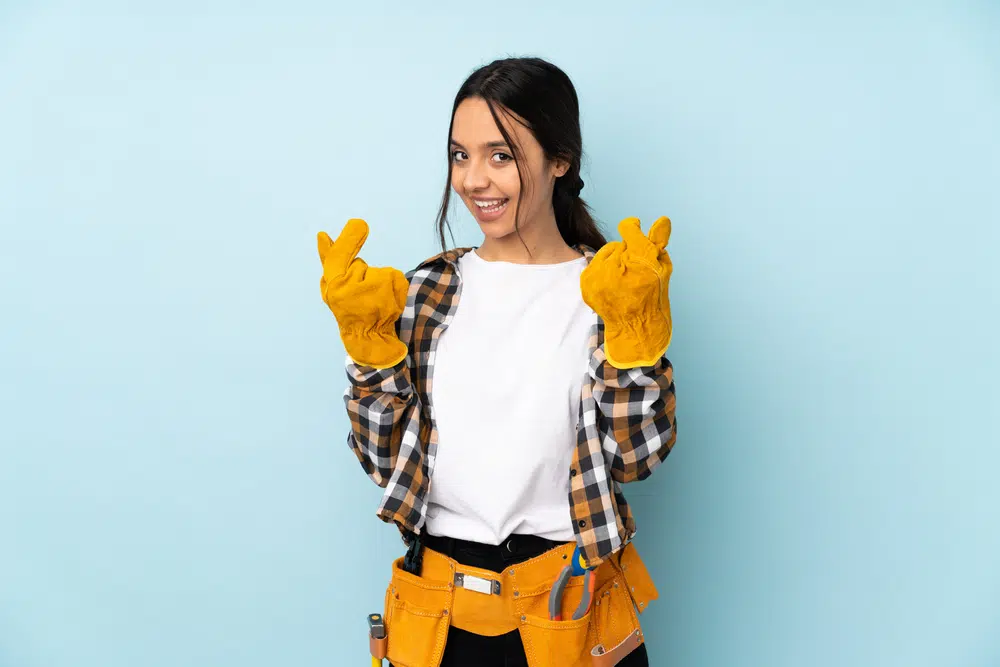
559 167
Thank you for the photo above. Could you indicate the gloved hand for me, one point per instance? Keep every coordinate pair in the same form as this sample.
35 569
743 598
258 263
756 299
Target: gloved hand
365 301
626 284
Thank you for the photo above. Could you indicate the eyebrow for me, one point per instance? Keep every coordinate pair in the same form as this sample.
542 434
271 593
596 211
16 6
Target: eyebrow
490 144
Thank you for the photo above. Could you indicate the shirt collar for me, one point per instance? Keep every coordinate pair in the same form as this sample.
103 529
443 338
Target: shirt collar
452 256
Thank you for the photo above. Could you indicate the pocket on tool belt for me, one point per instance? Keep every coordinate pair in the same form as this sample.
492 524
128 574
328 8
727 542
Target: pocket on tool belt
617 606
610 621
417 616
613 616
640 584
563 643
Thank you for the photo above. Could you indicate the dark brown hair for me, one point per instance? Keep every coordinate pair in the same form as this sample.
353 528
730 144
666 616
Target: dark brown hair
543 98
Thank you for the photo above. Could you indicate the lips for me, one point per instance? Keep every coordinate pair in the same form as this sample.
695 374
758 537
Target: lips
488 210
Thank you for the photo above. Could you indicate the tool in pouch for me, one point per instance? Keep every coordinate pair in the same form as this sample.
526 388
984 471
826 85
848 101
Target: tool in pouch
413 560
412 563
574 569
376 638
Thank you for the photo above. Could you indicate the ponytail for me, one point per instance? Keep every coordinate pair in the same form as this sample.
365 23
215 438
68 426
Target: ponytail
573 217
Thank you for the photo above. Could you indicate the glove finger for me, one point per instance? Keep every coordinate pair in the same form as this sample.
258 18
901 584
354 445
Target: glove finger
631 233
323 244
659 233
356 271
637 244
347 246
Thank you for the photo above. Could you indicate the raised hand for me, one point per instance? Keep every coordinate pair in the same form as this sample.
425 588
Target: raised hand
626 284
365 301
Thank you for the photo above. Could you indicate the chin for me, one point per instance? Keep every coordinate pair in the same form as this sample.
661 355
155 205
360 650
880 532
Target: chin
497 230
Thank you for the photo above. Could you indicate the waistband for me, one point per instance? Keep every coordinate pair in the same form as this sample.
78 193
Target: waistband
511 551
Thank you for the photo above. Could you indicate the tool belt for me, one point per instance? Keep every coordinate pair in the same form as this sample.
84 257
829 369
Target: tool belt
420 609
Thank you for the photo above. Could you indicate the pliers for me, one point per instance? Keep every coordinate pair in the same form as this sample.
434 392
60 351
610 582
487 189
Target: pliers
575 568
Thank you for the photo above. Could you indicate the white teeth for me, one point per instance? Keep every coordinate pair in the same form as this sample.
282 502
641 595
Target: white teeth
488 204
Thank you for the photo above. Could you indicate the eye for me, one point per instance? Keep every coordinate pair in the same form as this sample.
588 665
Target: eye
457 155
502 157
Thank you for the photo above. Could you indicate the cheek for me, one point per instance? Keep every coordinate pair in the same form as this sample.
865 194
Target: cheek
456 185
508 182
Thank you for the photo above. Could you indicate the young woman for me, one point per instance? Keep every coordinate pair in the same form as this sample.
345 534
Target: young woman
502 394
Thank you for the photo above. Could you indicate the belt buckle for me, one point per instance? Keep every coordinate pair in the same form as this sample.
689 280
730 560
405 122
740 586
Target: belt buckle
478 584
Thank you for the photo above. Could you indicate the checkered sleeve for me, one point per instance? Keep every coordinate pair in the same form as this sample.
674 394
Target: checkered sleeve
635 414
380 405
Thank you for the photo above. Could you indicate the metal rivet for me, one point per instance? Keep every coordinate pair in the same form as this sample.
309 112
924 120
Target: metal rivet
642 604
524 618
616 584
445 612
511 572
516 593
633 589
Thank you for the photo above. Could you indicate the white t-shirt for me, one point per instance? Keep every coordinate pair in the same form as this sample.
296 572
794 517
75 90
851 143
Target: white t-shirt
508 375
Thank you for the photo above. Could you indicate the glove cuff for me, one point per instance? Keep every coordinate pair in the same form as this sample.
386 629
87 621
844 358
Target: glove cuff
634 343
374 347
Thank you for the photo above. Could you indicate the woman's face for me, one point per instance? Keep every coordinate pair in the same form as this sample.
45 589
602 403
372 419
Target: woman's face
485 175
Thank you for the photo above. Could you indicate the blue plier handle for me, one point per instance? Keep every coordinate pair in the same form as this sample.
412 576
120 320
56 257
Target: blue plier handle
575 568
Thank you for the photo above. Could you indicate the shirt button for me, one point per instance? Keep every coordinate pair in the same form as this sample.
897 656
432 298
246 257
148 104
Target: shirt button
572 473
582 523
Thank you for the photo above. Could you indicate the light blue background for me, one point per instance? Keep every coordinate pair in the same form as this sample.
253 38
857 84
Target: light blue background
175 488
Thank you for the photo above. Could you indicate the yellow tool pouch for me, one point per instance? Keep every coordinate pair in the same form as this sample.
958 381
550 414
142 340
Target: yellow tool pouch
420 609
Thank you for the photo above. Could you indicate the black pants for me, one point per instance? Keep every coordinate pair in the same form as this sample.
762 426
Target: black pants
465 649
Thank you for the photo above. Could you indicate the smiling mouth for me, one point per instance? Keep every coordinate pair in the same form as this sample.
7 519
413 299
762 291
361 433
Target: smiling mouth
491 205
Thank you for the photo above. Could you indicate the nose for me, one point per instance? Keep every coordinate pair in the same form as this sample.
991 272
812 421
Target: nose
476 177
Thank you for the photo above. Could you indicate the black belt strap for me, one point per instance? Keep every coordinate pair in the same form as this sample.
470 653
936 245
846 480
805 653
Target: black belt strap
522 545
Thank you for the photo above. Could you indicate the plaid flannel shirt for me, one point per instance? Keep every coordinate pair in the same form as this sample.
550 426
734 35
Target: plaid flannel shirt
626 423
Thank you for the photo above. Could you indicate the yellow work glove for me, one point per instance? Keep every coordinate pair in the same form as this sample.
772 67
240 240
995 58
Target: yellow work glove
626 284
365 301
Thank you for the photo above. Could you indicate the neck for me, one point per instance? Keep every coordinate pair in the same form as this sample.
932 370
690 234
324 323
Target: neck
545 245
